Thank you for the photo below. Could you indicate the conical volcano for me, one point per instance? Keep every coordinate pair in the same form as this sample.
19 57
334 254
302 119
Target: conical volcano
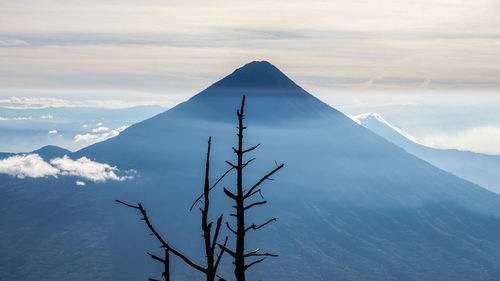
256 75
350 205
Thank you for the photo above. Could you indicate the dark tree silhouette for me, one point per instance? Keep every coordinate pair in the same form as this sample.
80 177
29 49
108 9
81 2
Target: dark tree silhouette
212 259
241 198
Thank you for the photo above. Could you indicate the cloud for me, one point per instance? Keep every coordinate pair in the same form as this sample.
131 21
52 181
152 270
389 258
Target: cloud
98 124
13 42
482 139
93 138
88 169
53 132
47 116
32 165
33 103
80 183
22 118
100 129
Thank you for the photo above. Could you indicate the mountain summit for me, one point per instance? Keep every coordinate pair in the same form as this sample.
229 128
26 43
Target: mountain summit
257 78
256 74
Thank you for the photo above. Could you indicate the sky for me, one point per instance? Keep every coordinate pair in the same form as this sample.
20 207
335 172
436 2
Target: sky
423 65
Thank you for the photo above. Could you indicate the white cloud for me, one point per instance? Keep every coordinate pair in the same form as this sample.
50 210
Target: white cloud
53 132
100 129
22 118
86 168
98 124
93 138
3 118
80 183
31 165
482 139
47 116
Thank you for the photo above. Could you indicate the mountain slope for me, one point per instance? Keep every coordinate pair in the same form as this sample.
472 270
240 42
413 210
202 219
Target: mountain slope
351 205
476 167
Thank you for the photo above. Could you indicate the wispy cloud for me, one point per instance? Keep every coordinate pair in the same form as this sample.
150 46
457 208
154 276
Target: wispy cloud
53 132
96 136
100 129
34 103
13 42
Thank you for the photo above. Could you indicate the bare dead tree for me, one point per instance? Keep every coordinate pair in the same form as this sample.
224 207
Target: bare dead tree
212 259
241 198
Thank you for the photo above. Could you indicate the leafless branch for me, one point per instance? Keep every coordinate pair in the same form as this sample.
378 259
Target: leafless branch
255 204
228 193
230 229
231 164
219 256
216 233
156 258
253 263
251 148
126 204
213 186
253 226
160 238
263 179
223 247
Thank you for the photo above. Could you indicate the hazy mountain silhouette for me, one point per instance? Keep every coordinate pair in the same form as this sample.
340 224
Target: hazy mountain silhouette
351 205
479 168
47 152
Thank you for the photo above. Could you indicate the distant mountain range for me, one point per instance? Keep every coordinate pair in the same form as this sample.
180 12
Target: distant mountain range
479 168
351 205
47 152
27 129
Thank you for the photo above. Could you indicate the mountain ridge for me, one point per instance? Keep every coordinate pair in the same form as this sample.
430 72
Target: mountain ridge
472 166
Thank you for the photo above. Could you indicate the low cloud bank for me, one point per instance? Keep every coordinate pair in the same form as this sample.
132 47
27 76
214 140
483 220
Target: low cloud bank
88 169
33 166
482 139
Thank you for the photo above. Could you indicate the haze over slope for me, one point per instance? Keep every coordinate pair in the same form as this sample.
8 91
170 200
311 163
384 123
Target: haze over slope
479 168
351 205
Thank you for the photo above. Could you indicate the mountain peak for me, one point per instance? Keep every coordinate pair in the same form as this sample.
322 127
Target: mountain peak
257 75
